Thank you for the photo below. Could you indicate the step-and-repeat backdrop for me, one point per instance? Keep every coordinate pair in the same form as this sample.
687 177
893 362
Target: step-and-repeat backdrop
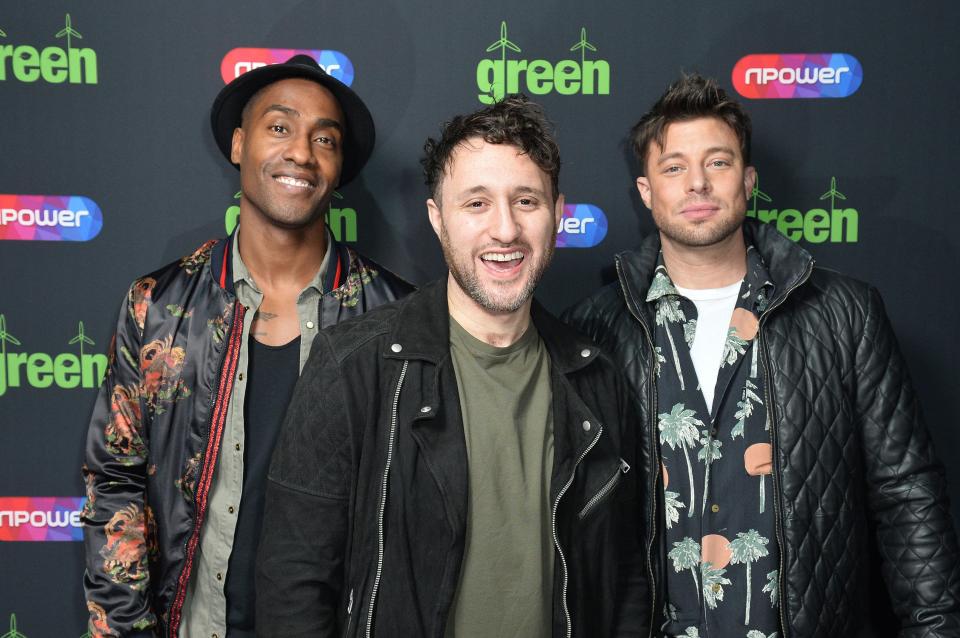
108 170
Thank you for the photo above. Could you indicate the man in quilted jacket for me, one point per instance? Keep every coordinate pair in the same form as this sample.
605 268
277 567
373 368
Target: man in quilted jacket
791 486
206 353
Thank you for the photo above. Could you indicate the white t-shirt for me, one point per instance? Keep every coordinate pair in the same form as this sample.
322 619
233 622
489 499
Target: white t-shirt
714 309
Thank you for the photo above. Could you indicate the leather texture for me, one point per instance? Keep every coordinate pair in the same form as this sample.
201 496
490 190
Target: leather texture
860 495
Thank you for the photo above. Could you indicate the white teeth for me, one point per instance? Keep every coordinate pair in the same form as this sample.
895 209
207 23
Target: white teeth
292 181
502 256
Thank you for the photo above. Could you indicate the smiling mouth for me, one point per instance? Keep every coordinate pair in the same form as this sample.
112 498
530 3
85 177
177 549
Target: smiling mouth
502 262
296 182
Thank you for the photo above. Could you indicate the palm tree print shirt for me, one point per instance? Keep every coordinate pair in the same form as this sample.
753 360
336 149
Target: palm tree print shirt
721 553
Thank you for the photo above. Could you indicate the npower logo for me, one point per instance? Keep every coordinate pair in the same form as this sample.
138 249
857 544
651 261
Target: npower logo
53 64
238 61
41 518
581 226
341 220
65 370
497 78
797 75
49 217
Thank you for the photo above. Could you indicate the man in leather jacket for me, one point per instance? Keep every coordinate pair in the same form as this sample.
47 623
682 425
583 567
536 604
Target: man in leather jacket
787 476
204 359
459 463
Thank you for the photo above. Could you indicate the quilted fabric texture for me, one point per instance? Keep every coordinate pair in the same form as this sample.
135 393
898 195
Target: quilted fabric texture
859 491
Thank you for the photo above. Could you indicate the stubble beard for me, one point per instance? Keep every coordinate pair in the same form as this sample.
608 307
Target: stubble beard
466 276
707 233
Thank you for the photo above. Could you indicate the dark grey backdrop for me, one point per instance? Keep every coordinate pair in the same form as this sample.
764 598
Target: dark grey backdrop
138 144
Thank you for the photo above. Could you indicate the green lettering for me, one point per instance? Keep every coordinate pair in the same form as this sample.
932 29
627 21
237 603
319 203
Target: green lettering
53 65
25 64
66 371
767 216
789 223
40 370
816 226
343 224
539 77
490 81
514 67
89 59
852 219
93 369
6 51
3 374
596 73
566 77
14 361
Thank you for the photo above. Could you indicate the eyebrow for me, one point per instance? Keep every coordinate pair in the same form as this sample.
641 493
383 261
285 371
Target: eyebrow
321 122
522 190
709 151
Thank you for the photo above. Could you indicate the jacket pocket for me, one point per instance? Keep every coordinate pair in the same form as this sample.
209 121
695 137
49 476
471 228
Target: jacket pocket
604 491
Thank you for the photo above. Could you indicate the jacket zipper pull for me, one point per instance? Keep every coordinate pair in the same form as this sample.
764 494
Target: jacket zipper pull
350 603
624 466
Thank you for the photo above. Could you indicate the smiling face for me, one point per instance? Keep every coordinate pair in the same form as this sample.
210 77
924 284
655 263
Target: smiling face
497 223
290 154
696 185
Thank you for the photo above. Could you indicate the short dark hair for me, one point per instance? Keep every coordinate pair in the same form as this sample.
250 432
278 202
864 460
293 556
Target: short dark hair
515 120
691 97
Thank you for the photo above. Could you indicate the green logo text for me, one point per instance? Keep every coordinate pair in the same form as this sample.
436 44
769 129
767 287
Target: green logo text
817 225
50 64
498 78
39 370
341 221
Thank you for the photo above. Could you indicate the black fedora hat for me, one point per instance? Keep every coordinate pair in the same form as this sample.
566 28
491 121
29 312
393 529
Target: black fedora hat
360 133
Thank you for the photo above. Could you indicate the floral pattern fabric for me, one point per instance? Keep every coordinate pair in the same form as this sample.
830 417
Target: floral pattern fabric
721 555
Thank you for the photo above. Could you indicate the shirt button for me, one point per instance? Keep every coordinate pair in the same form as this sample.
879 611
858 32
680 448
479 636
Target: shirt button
214 636
240 376
585 353
236 446
219 576
396 347
714 508
716 588
713 432
310 325
586 426
230 509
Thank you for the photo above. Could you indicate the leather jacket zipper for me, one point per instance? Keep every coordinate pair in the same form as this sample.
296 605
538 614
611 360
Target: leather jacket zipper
556 539
771 415
622 468
383 499
652 397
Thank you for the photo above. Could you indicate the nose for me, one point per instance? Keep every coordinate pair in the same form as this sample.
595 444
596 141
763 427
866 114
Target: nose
299 150
697 180
504 223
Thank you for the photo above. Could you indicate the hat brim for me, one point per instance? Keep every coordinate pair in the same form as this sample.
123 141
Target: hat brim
360 134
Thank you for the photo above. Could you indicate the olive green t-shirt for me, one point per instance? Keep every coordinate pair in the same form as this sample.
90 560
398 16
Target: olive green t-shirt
506 580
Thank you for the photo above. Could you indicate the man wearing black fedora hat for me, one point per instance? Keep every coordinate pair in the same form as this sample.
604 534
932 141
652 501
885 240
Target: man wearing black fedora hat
205 356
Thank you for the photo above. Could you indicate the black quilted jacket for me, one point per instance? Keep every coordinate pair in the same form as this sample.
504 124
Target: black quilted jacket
860 496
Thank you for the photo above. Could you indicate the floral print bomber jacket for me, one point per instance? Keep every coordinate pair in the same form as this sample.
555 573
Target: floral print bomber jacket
155 432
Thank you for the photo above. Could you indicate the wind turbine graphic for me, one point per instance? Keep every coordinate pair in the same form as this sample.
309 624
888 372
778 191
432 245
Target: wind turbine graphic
81 338
6 337
756 194
503 44
13 633
833 194
583 45
68 31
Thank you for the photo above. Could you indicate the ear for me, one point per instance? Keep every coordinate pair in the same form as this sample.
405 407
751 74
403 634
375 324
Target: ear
558 210
643 185
749 180
433 212
236 145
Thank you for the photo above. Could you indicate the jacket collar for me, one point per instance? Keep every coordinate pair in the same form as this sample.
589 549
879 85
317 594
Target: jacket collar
221 264
786 262
423 331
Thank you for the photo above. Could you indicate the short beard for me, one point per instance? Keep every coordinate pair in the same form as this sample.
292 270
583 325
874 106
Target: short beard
702 235
467 279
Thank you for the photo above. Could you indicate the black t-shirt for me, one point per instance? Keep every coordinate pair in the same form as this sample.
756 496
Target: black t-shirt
272 372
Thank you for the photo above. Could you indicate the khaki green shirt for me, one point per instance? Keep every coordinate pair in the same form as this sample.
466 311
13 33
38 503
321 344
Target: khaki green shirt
506 580
204 611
